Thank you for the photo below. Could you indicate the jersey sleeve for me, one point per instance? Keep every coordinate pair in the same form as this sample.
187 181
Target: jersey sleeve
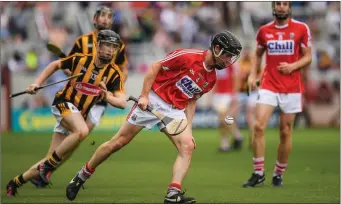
260 39
121 56
67 63
116 85
77 48
174 60
306 38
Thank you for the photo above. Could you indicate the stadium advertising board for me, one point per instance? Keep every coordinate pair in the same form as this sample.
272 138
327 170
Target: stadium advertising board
42 120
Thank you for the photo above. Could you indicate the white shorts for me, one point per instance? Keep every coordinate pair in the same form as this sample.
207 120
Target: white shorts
61 111
147 119
95 114
288 103
221 102
250 100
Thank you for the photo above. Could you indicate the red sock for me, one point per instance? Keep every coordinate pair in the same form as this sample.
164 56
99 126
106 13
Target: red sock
86 172
88 168
258 165
279 168
174 187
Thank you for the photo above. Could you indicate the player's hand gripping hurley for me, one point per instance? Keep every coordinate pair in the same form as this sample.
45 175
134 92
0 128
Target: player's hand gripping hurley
47 85
250 88
172 126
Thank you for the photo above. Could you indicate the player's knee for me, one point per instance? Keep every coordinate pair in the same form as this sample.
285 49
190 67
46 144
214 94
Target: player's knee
285 131
259 129
187 147
82 133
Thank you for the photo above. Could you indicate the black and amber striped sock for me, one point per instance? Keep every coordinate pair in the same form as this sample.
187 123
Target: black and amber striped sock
54 160
18 180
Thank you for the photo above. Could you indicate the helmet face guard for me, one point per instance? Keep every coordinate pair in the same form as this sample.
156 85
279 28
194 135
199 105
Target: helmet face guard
230 49
107 37
232 58
280 16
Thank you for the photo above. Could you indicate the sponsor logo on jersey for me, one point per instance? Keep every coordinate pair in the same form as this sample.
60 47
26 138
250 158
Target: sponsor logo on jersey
87 89
280 47
188 86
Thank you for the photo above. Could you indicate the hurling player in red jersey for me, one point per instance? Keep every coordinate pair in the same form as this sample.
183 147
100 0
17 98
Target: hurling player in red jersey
171 86
287 45
225 103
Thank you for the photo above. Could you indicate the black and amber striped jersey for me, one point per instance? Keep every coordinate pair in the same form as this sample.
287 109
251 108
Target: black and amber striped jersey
86 44
84 91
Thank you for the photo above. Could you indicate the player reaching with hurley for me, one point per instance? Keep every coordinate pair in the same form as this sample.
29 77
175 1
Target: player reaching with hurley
287 45
86 44
100 80
171 87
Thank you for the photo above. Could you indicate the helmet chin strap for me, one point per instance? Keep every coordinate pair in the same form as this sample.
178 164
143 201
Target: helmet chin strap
218 55
218 66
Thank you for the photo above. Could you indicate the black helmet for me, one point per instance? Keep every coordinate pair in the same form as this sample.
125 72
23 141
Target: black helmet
108 36
98 12
228 43
278 15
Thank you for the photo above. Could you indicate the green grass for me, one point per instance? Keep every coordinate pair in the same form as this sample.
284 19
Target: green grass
141 171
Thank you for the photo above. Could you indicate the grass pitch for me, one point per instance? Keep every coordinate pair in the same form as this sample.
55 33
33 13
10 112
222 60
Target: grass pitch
141 171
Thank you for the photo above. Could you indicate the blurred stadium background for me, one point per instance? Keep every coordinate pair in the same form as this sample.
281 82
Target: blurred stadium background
150 30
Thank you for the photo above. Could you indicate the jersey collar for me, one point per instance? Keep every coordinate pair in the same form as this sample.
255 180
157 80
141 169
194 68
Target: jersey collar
282 26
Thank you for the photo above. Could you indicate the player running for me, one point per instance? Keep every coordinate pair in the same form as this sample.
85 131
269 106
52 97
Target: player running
225 103
86 44
172 87
287 45
100 80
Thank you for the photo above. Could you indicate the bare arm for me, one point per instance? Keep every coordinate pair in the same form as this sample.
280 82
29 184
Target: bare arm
48 71
67 72
117 100
257 59
149 78
305 59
